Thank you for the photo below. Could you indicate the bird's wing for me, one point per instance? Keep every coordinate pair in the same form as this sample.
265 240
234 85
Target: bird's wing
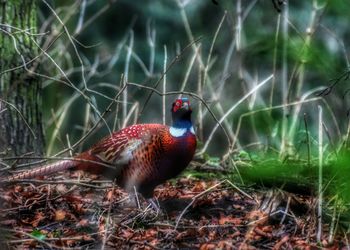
117 150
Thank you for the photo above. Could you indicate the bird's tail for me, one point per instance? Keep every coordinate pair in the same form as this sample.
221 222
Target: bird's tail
41 171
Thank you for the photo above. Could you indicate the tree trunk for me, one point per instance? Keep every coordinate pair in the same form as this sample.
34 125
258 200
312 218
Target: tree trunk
20 90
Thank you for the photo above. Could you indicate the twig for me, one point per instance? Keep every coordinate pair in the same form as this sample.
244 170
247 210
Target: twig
212 90
307 141
136 198
151 39
134 109
104 241
296 111
31 236
108 109
252 91
164 82
126 75
81 18
188 72
268 109
86 124
175 59
98 14
320 167
334 222
274 62
142 243
20 114
80 61
194 198
284 75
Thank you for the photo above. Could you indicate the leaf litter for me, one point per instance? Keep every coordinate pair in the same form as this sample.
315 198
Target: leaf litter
72 216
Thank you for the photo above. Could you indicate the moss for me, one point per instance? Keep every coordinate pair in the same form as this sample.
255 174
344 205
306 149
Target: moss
19 87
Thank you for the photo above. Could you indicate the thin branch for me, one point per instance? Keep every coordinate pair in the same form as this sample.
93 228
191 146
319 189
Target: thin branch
164 83
252 91
20 114
175 59
320 175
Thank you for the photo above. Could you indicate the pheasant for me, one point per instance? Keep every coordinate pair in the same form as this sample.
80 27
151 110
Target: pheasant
140 156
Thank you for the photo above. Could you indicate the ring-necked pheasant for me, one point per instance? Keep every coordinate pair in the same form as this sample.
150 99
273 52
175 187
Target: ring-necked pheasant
141 156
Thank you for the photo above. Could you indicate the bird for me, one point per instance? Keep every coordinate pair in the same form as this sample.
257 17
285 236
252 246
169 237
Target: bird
140 156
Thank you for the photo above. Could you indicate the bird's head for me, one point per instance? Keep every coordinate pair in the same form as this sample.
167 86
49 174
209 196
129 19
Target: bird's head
181 111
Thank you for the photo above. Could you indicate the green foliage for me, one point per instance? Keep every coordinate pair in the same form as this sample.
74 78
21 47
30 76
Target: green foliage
38 235
339 177
298 176
273 173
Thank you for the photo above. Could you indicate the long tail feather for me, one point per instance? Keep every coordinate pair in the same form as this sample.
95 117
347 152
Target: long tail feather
43 170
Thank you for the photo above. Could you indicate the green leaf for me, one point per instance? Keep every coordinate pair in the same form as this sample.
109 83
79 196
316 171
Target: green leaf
38 234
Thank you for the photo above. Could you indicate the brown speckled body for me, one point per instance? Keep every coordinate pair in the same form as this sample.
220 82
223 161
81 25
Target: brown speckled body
141 156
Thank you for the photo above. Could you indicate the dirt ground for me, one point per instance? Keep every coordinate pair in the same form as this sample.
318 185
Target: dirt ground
60 213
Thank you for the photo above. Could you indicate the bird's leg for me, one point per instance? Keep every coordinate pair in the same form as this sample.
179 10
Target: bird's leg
154 204
135 198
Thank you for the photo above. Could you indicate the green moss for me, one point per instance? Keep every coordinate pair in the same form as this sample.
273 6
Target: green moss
19 87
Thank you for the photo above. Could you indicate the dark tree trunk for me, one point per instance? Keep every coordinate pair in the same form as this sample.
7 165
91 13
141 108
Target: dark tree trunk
20 91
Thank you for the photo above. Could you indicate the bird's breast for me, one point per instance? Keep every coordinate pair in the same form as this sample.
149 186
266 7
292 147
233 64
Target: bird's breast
179 152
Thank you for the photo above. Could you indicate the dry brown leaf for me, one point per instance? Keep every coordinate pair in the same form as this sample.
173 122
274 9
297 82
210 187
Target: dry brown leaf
224 244
18 188
263 231
207 246
127 233
61 189
229 220
6 197
37 219
79 208
109 195
60 215
87 237
237 207
83 223
151 233
280 243
199 187
101 228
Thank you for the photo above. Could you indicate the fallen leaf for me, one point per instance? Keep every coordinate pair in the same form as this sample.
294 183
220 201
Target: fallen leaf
37 219
199 187
61 189
60 215
109 195
207 246
229 220
83 223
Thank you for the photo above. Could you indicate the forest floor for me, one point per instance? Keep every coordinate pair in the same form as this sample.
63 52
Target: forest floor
194 214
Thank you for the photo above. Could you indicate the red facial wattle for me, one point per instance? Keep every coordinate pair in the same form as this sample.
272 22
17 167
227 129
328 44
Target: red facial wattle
177 105
181 103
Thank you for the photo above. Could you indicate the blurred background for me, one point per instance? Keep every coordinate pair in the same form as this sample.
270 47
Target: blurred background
220 50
